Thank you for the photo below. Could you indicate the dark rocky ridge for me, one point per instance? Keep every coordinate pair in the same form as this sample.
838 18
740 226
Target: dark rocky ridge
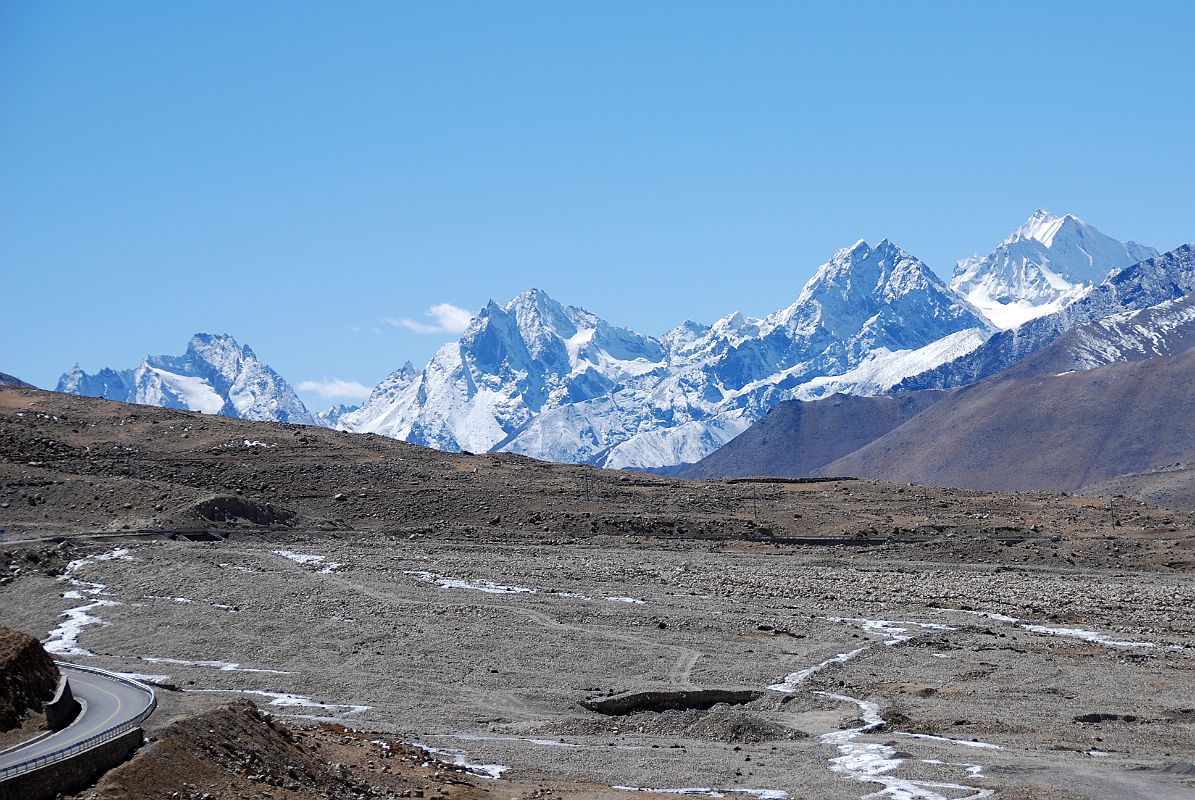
28 677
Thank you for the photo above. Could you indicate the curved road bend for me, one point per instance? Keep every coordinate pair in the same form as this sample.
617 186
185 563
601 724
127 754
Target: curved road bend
107 702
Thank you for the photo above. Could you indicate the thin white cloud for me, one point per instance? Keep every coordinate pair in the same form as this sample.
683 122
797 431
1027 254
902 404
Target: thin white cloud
336 389
448 319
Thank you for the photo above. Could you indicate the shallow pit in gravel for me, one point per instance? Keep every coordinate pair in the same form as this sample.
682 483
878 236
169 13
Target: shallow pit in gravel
664 700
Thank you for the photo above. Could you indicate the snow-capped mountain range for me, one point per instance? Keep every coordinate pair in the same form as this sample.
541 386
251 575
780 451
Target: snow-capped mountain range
553 381
216 375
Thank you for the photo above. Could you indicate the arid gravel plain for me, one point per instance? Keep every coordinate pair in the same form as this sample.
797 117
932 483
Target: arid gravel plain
878 641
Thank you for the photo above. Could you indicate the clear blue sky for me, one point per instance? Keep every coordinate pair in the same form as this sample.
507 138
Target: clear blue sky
295 174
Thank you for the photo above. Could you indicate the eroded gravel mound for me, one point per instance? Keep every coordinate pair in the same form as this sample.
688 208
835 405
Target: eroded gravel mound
237 751
722 723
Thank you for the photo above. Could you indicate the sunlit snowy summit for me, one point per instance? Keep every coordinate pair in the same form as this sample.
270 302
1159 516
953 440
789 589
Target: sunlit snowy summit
216 375
1044 265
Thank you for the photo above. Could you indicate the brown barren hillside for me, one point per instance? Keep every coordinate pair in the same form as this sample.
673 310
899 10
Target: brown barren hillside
82 465
796 437
1053 432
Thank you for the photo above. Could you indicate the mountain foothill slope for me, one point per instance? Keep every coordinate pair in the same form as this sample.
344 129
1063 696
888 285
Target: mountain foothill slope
798 437
1058 432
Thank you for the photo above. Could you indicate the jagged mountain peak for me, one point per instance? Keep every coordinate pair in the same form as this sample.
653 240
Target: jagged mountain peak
331 417
680 341
536 311
1042 226
511 363
538 377
883 273
1046 263
216 375
218 343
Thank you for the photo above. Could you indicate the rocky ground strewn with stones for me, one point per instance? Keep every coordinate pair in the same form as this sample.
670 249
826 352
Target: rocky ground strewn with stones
917 642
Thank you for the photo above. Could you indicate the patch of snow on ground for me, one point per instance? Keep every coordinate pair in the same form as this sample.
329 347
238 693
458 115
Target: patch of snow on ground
974 770
119 553
789 684
893 632
695 790
948 740
289 700
1087 636
481 737
145 677
475 585
701 791
869 762
223 666
310 561
1073 633
255 443
489 587
491 771
64 640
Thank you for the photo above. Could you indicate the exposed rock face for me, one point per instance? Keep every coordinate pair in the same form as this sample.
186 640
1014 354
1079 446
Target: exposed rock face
28 677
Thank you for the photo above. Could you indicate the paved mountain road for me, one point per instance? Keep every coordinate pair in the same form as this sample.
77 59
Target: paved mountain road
108 702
